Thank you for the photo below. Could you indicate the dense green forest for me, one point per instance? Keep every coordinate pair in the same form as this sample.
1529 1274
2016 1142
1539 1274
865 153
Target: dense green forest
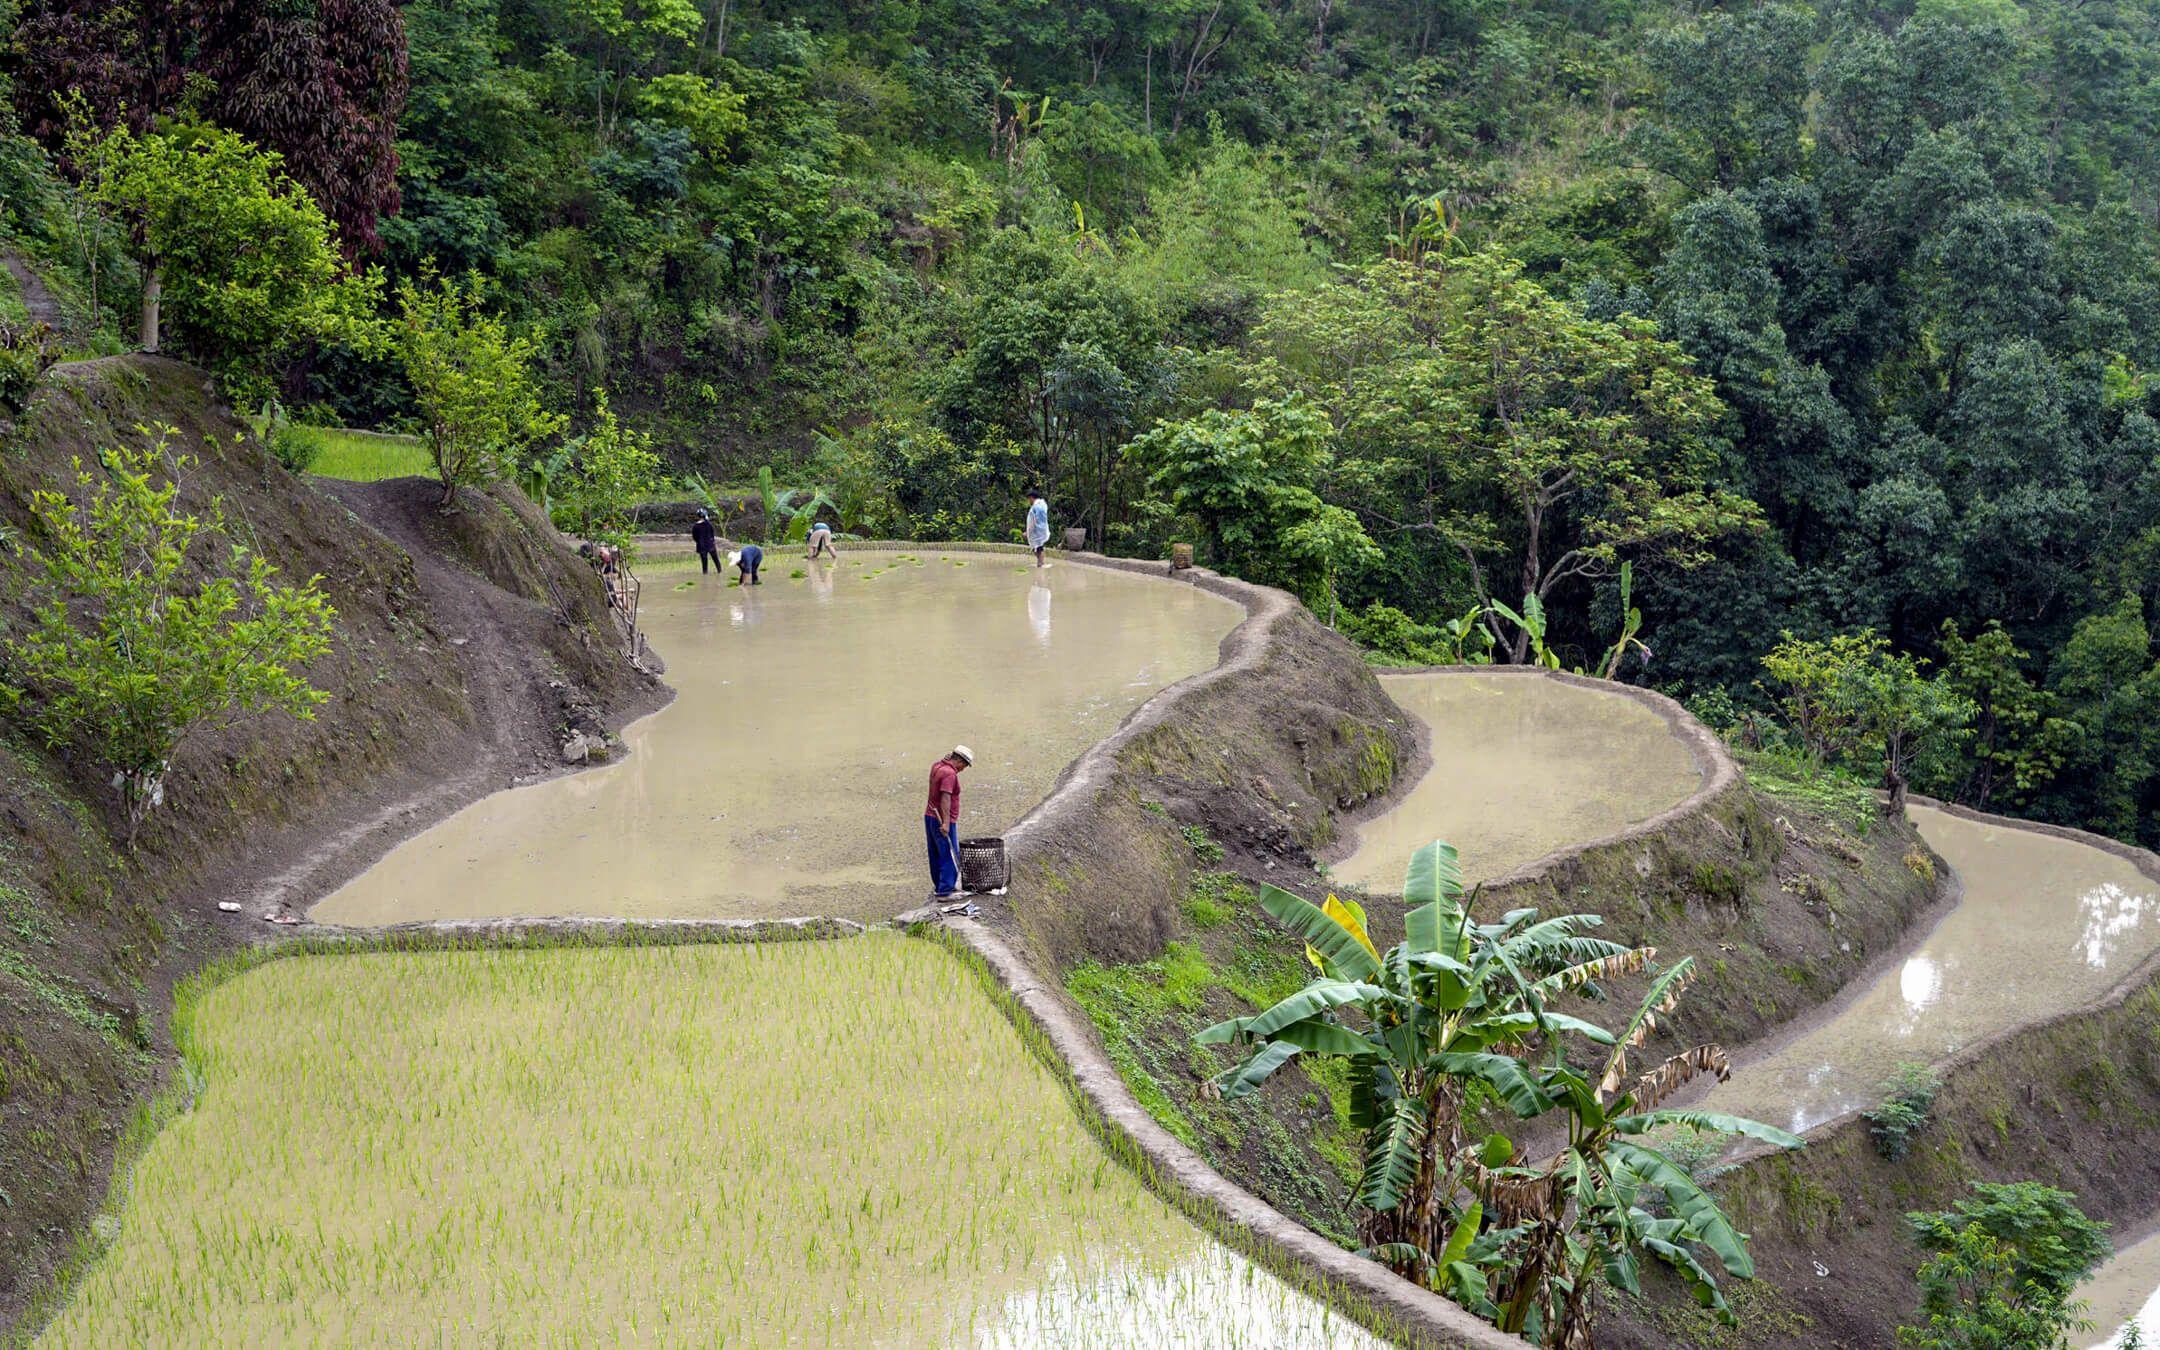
1825 320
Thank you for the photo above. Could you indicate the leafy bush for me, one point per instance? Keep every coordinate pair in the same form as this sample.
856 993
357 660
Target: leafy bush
1205 849
610 467
2003 1268
26 352
479 402
1907 1096
292 445
1387 634
130 649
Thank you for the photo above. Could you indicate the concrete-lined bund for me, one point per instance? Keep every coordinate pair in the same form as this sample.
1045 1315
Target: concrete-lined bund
1415 1315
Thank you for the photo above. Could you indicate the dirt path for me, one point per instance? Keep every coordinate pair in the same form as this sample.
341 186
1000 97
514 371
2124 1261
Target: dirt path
37 298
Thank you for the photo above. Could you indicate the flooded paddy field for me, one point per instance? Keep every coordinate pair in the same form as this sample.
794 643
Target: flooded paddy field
2124 1293
820 1143
789 774
2044 924
1521 767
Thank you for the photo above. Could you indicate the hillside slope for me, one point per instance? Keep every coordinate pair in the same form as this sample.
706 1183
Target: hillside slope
462 644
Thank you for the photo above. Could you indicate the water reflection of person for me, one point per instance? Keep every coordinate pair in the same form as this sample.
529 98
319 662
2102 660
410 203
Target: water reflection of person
821 581
745 607
1039 610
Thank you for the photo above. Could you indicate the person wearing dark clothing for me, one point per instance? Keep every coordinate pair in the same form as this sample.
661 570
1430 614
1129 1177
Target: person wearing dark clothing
707 540
746 565
941 822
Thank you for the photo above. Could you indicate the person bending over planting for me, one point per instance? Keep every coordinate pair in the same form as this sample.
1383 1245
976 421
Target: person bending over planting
821 541
941 823
747 563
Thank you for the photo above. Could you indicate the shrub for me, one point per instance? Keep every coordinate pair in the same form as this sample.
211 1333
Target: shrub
1391 635
292 445
1907 1096
479 403
131 648
26 353
2003 1268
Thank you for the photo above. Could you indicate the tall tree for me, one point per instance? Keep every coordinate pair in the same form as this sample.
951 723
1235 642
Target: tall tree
319 81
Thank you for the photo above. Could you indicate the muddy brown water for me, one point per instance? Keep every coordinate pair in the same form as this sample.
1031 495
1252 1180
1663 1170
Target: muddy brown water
1521 767
788 775
2044 924
2122 1294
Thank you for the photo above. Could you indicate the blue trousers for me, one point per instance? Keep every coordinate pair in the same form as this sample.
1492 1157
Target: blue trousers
944 843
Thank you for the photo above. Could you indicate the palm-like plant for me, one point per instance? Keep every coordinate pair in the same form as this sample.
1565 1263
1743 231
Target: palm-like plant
1458 1003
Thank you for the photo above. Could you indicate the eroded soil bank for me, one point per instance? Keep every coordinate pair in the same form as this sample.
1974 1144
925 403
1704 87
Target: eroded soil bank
588 1142
1520 768
788 775
2041 994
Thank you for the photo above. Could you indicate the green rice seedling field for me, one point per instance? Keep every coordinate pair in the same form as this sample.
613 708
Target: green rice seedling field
816 1143
365 456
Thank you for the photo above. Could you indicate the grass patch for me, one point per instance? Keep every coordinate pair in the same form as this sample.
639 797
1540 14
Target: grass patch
362 456
1829 791
70 1002
464 1148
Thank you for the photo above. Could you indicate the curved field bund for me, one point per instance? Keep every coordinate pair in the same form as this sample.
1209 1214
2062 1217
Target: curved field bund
2038 1000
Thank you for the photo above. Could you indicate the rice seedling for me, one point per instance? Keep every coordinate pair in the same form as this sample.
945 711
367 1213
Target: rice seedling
831 1143
364 456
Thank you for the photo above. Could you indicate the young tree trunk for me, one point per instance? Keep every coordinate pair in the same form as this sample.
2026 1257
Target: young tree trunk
153 291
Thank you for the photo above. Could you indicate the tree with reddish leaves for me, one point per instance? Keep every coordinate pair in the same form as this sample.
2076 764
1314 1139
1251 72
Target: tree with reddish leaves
319 81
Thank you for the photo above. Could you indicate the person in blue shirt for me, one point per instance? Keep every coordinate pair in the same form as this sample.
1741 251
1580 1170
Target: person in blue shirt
746 564
1038 525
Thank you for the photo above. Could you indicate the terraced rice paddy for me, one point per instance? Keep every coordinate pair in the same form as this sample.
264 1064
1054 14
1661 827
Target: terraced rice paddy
2044 924
365 456
835 1143
789 775
1521 767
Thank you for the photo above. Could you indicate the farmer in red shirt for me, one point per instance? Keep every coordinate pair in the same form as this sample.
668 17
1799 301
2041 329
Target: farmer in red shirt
941 822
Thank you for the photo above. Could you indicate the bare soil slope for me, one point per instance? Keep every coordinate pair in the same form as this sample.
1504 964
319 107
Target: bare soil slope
464 644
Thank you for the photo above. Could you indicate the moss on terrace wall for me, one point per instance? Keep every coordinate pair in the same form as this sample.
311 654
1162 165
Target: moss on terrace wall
2073 1102
1134 888
92 940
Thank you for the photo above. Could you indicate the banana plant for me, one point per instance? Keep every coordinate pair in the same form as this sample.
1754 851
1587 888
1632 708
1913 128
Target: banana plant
1467 638
768 499
1531 622
1459 1003
1630 625
1419 1025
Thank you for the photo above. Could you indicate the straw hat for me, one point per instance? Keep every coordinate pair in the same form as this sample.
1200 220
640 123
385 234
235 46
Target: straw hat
963 754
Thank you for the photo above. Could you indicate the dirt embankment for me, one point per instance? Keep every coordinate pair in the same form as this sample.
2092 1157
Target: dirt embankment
1134 890
464 646
2072 1101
